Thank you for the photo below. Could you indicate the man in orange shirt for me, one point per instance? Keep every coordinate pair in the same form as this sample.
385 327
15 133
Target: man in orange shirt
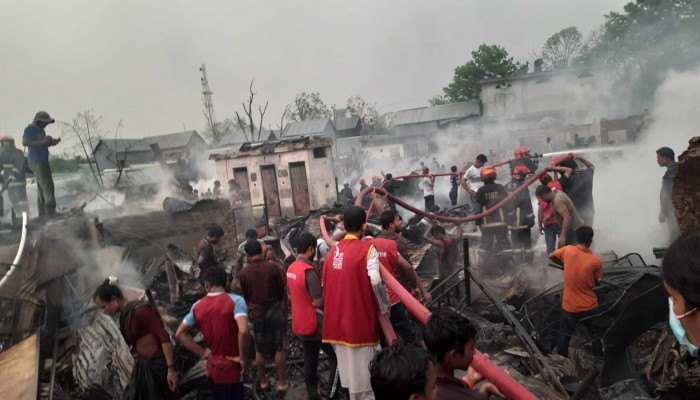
583 270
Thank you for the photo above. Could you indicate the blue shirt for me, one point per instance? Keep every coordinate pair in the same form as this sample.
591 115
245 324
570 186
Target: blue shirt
39 154
240 308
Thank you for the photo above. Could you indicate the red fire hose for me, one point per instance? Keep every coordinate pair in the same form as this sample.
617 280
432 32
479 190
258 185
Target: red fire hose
534 178
380 190
482 364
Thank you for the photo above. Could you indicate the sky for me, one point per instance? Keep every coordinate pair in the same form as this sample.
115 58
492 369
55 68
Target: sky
138 61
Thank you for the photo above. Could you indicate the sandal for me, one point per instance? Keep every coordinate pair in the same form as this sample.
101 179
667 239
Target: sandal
265 386
283 388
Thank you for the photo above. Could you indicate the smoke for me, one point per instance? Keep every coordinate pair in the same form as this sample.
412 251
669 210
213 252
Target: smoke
626 188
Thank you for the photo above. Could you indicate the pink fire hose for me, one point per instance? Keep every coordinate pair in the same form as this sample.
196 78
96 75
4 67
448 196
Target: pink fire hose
482 364
380 190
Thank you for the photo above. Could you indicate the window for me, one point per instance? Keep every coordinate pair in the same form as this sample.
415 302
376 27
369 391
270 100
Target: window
320 152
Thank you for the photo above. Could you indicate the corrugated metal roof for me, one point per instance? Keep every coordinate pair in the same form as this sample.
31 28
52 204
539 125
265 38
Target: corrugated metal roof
437 113
237 138
342 124
284 145
306 128
142 175
172 140
122 145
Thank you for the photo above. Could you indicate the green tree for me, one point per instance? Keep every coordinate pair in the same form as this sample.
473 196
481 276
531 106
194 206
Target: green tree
487 62
308 106
373 121
221 129
438 100
562 48
647 39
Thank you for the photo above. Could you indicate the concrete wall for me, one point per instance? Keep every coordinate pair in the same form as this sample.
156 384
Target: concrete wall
320 177
385 151
344 146
423 128
575 99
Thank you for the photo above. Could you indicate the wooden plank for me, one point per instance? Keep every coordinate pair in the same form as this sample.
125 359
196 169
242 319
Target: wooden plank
19 370
270 190
240 175
300 188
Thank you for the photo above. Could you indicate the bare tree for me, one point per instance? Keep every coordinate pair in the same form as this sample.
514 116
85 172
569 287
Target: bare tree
85 126
248 111
562 47
280 126
213 127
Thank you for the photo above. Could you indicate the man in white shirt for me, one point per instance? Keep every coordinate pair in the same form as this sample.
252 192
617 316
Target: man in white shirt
472 178
471 182
428 186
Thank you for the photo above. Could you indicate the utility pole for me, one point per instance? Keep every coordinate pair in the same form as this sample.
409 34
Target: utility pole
208 103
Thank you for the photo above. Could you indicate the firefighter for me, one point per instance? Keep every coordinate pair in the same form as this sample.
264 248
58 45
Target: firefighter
522 217
494 228
12 162
522 157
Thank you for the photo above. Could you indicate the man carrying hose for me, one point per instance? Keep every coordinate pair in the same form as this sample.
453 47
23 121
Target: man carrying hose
522 217
494 229
12 162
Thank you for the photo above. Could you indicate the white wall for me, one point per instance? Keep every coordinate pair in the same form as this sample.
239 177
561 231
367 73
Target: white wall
576 99
385 151
320 177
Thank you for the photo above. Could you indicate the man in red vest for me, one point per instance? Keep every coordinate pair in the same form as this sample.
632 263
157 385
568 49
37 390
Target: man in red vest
354 296
306 294
223 320
393 261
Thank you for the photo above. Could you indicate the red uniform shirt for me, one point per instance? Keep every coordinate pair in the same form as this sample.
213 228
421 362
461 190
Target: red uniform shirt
215 316
351 311
389 257
304 320
547 210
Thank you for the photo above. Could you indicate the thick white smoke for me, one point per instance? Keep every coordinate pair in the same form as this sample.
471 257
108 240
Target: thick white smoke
626 190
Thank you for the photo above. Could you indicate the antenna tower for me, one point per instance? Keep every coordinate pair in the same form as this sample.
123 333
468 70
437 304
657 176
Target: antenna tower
206 99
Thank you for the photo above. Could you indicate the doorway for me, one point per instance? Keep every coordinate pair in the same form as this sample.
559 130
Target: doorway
300 188
268 181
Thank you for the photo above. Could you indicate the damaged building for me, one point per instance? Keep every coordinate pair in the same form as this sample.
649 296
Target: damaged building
54 344
288 177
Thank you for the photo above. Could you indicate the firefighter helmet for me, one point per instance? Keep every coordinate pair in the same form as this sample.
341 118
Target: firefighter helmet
488 173
521 170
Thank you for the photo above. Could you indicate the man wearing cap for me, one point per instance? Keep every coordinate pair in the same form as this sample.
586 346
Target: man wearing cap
38 142
12 164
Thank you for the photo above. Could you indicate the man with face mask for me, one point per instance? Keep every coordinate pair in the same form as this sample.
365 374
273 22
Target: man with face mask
681 271
583 270
306 297
38 142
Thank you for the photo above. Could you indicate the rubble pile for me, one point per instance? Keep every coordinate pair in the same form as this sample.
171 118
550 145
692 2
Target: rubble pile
686 194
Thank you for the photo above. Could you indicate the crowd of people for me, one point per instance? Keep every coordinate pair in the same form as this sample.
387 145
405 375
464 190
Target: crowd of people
336 295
